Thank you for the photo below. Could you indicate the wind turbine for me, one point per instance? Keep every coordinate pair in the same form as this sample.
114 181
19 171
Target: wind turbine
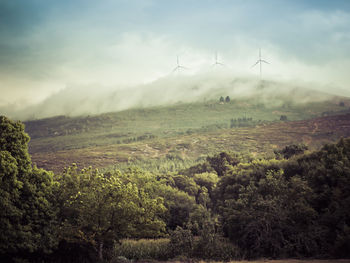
216 61
260 61
178 67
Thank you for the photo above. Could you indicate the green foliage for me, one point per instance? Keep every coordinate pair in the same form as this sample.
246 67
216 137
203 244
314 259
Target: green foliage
143 249
181 242
268 215
14 140
99 209
10 195
283 118
186 184
178 203
287 208
27 221
222 161
207 180
328 174
169 164
291 150
243 122
228 207
199 168
211 245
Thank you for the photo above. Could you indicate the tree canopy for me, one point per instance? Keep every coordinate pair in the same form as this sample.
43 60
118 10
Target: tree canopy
26 196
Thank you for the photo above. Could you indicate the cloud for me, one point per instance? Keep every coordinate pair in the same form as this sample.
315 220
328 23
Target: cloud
47 46
175 88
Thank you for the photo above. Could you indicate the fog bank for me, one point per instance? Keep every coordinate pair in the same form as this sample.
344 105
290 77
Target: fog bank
175 88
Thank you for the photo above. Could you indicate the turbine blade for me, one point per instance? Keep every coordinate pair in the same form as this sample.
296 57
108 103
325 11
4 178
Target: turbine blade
256 63
265 61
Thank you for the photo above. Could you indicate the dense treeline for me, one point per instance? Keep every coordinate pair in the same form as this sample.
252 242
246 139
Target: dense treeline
230 206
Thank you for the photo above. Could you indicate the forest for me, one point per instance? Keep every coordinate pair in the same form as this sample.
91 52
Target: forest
230 206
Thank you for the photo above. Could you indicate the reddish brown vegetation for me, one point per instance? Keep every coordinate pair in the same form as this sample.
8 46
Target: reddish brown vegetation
261 139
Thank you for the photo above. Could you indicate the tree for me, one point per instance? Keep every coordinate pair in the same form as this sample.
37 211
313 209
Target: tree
327 172
269 216
294 207
222 99
98 209
27 221
181 242
14 140
10 193
292 150
283 118
206 180
222 161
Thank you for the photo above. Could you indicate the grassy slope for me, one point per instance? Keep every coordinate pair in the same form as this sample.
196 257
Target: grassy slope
183 131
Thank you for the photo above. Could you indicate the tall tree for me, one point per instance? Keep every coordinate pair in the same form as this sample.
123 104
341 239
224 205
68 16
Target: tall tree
99 209
267 213
27 219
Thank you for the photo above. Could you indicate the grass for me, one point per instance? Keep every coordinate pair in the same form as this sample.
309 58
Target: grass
64 133
151 249
168 138
155 250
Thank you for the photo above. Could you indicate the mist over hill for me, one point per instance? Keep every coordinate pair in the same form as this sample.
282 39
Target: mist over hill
175 88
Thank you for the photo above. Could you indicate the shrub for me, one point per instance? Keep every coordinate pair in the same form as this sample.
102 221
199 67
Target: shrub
291 150
283 118
211 245
181 242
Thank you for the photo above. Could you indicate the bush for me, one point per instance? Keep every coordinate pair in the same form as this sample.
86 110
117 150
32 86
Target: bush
220 249
291 150
283 118
211 245
181 242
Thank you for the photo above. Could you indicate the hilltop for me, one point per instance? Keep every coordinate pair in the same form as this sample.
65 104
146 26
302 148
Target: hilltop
94 99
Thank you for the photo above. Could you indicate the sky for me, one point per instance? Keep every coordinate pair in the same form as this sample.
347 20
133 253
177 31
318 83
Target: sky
48 46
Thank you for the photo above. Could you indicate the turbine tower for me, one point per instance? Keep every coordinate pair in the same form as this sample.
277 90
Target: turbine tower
178 66
216 61
260 61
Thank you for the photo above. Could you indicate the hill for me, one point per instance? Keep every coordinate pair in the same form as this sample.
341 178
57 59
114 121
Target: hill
76 101
185 132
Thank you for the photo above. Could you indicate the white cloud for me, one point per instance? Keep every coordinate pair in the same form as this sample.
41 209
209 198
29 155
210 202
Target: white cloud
122 44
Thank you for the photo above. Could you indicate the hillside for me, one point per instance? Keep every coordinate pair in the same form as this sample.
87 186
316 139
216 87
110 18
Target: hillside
184 132
76 101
